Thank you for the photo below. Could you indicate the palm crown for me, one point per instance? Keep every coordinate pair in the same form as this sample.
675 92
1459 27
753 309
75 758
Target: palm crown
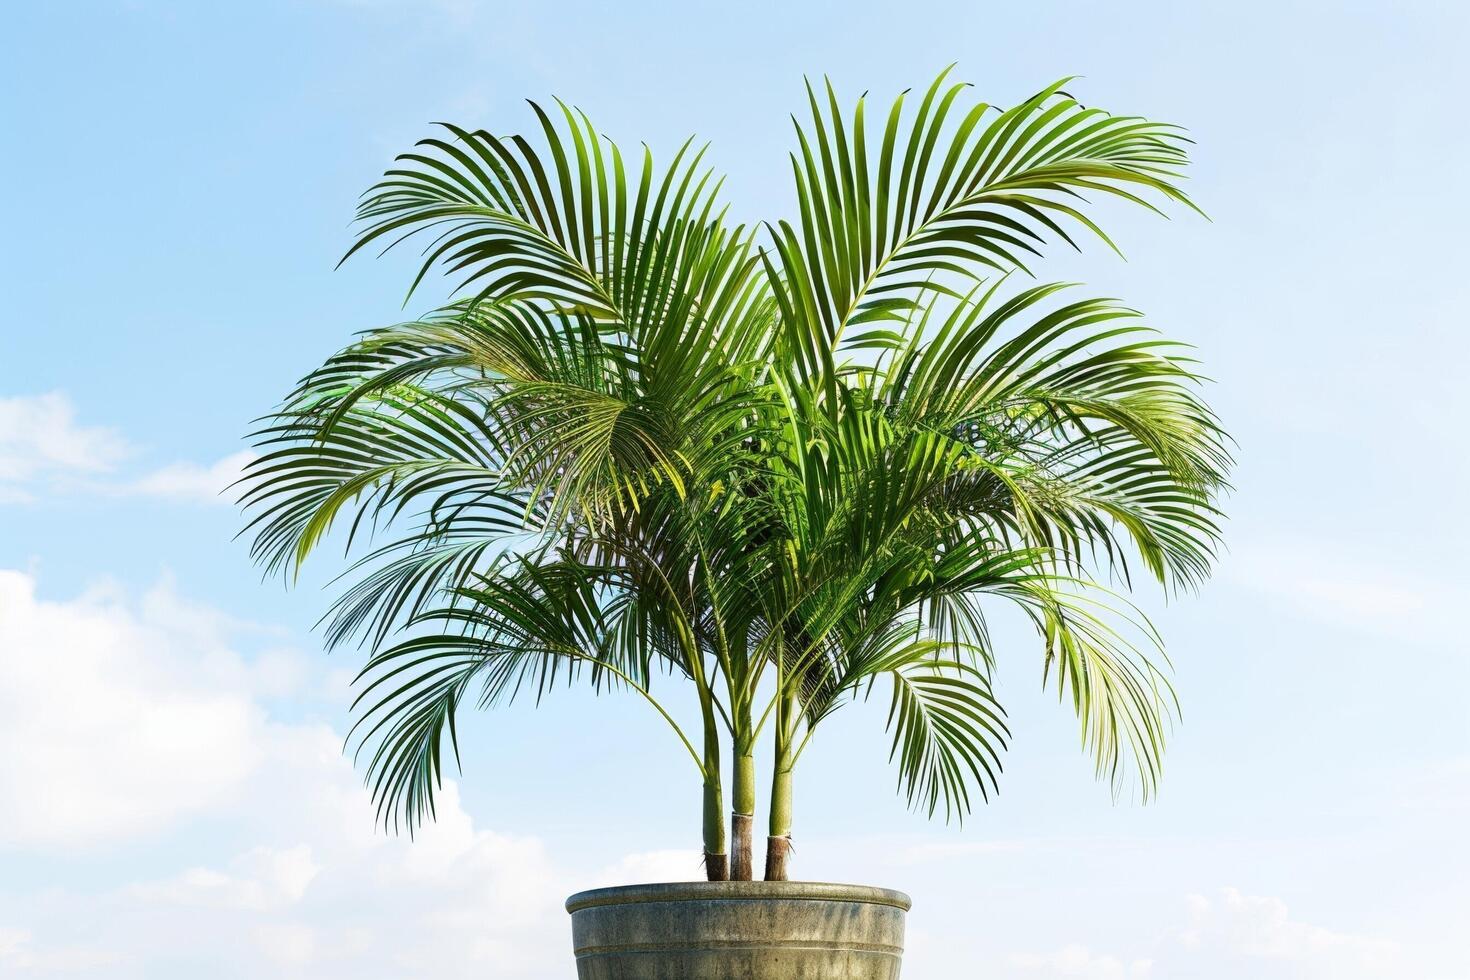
782 462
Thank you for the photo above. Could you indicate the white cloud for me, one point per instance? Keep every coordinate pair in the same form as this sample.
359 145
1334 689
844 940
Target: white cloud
17 954
949 850
11 940
665 865
121 720
1342 590
1078 961
260 879
458 902
15 495
152 721
44 451
1230 934
190 481
40 439
139 716
1261 927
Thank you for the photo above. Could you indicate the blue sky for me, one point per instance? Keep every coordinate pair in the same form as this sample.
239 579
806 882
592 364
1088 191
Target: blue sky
172 796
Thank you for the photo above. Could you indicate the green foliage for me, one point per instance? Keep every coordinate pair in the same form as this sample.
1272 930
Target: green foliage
782 464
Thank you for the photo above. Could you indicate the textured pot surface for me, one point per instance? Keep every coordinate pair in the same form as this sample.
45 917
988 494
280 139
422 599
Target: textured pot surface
738 930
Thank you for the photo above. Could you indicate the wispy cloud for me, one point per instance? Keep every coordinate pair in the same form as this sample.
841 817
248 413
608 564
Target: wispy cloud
191 481
1079 961
1229 933
41 440
1234 927
261 879
19 954
921 851
1318 580
131 715
138 716
46 452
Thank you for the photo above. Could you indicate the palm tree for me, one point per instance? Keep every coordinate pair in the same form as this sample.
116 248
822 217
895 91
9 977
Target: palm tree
779 464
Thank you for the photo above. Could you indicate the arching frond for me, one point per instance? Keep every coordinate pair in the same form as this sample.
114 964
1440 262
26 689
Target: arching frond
953 189
524 626
948 733
805 456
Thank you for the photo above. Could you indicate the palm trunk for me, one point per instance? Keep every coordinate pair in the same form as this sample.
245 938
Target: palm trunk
742 817
716 860
778 844
742 812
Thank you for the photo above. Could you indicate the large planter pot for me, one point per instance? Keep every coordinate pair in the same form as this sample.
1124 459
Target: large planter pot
738 930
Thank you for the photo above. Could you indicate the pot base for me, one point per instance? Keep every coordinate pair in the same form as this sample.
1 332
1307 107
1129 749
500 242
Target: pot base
738 930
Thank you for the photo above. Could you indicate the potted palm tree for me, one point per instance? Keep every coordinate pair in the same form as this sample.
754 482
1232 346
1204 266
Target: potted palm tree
764 469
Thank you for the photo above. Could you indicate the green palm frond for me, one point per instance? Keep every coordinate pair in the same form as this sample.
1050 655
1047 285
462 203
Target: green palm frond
1098 441
525 625
411 445
807 456
948 733
392 585
944 192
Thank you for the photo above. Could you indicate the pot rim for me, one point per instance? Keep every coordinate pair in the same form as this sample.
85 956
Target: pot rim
737 891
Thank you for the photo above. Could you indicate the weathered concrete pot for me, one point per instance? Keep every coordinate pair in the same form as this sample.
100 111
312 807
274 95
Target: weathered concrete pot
738 930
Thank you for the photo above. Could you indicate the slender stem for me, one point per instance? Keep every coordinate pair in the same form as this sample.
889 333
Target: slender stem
765 715
742 781
742 816
716 860
744 784
715 856
781 786
725 717
787 720
778 843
